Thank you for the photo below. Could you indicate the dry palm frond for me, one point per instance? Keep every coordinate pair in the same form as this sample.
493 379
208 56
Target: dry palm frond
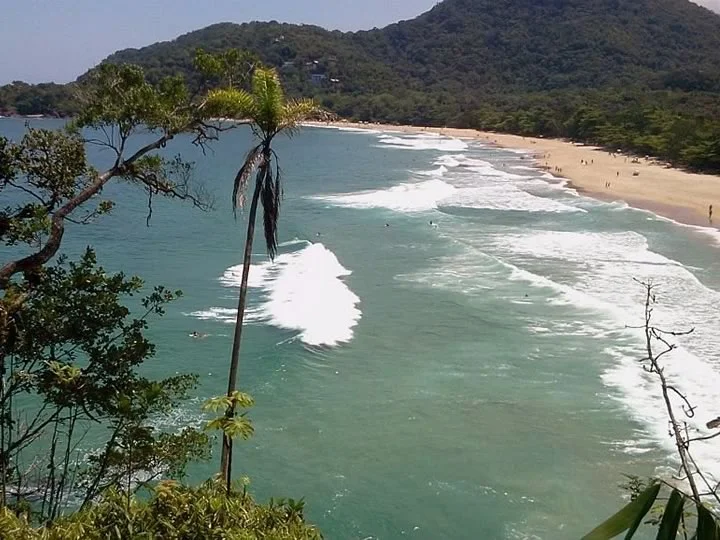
254 159
270 197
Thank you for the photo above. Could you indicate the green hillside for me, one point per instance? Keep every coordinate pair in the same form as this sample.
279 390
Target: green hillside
642 74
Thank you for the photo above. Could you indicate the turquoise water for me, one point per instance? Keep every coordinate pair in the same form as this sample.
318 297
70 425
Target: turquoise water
469 378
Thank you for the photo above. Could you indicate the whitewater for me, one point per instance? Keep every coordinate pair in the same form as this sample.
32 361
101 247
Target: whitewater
300 290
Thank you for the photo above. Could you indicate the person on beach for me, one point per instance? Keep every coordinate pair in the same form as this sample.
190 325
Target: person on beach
710 213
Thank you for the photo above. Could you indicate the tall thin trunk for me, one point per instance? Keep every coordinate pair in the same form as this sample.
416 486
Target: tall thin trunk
226 458
3 455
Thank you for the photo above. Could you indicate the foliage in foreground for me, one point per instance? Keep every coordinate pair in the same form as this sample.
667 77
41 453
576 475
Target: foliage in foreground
680 517
76 414
172 512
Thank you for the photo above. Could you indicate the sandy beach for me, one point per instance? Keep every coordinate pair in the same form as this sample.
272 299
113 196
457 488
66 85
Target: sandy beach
642 183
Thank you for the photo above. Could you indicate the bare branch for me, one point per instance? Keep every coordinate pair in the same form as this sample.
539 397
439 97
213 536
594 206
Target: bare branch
676 428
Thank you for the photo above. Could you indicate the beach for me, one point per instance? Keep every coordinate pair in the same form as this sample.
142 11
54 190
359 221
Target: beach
642 183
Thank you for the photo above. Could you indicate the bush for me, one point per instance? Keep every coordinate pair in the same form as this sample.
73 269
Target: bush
172 511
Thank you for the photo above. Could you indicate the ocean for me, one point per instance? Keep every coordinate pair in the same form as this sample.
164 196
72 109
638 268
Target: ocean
443 347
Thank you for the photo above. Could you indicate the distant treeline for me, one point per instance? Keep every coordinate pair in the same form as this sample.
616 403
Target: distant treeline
678 127
48 99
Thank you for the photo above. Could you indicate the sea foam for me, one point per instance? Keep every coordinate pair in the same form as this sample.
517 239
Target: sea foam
459 181
304 291
406 197
422 142
604 265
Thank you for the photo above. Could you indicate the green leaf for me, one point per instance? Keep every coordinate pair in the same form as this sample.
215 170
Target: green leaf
215 424
242 399
238 427
671 516
629 517
216 404
707 527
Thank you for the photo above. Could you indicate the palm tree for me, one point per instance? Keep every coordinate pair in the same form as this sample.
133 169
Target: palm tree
268 113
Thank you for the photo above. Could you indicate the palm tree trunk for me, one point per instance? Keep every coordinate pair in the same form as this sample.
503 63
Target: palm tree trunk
226 458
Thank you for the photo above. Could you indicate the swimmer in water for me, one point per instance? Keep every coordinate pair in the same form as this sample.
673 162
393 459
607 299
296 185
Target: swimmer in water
197 335
387 224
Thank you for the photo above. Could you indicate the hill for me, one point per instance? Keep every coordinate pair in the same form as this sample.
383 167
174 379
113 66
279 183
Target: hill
631 73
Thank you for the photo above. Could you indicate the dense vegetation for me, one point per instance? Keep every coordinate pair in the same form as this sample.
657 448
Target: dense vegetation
172 512
84 436
643 75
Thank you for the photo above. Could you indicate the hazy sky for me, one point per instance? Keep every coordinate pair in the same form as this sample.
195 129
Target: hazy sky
57 40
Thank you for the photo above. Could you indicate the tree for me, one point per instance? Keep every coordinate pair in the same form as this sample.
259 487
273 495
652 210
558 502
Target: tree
68 346
69 373
269 113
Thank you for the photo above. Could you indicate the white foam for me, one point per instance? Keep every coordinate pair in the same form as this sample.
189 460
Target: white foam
505 196
303 291
603 265
423 142
408 197
357 130
215 314
470 191
294 242
449 160
593 273
712 232
439 172
340 128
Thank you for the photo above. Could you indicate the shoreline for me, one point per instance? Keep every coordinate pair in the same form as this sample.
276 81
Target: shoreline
642 183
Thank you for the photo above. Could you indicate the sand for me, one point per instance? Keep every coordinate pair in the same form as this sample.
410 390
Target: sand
642 183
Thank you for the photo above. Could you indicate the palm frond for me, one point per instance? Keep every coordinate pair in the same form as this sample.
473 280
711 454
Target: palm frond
270 197
295 111
253 160
269 99
230 103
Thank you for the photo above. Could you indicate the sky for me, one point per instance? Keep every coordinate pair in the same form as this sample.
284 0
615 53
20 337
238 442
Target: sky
58 40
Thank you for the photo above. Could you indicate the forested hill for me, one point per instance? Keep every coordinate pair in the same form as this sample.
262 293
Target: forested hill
492 46
641 74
